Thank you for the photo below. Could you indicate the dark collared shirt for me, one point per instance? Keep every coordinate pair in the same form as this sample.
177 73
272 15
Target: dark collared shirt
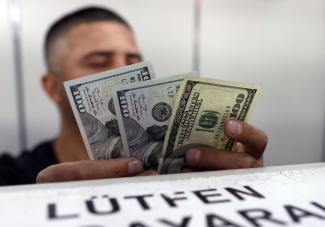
24 168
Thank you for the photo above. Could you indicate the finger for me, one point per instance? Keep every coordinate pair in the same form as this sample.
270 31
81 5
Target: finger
211 159
148 173
90 169
253 139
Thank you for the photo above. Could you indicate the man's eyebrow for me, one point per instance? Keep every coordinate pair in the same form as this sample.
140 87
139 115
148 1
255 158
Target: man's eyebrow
110 53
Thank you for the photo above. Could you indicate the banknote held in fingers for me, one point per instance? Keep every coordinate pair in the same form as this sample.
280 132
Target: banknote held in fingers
91 101
200 111
122 112
143 112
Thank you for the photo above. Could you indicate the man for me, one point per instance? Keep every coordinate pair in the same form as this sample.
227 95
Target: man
88 41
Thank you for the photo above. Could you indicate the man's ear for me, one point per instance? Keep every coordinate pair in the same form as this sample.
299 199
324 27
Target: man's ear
52 86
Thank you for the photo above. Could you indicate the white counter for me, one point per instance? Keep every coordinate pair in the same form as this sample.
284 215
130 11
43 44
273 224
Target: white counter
272 196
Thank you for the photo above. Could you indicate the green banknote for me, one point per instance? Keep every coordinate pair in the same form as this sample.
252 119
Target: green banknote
200 111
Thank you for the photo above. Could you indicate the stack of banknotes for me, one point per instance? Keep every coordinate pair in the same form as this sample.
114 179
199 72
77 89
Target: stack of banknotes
128 112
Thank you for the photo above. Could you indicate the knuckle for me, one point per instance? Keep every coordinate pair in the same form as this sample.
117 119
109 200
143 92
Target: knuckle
81 171
266 139
264 142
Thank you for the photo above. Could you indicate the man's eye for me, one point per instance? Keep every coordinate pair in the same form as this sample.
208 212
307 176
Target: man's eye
133 59
98 64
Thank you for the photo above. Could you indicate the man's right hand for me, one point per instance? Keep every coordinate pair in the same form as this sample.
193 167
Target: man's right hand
90 169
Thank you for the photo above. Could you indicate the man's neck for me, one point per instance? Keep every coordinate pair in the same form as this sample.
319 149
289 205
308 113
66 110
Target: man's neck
69 146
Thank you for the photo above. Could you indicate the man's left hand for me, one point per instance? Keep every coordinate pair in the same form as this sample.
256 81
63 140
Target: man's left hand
248 153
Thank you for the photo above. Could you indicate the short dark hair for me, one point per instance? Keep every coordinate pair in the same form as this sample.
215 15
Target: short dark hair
83 15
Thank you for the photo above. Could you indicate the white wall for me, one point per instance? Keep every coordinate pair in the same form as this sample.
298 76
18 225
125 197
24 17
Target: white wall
279 44
8 107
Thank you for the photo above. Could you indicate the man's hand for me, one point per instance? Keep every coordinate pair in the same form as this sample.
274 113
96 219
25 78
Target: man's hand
248 153
89 169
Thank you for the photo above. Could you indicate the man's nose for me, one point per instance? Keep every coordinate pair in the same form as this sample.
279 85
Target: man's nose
119 61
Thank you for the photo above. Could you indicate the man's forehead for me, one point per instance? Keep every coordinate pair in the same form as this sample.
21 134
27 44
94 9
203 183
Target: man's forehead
98 30
93 36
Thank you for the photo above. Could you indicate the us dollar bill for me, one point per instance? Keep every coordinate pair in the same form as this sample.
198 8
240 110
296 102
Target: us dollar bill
91 100
143 112
201 109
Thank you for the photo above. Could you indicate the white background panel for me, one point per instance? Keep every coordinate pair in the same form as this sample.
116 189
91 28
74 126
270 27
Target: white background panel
8 111
163 30
279 44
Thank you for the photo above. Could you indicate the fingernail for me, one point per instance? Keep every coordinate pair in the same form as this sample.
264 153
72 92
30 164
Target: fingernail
134 167
193 156
234 128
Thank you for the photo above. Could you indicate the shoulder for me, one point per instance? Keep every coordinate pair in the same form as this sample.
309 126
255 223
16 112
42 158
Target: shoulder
44 150
40 156
25 167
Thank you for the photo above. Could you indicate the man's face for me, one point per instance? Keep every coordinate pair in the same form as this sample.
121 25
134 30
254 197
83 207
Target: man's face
98 46
90 48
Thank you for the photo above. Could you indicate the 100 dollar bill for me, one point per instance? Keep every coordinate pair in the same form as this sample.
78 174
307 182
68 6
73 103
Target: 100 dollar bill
200 111
143 112
91 100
